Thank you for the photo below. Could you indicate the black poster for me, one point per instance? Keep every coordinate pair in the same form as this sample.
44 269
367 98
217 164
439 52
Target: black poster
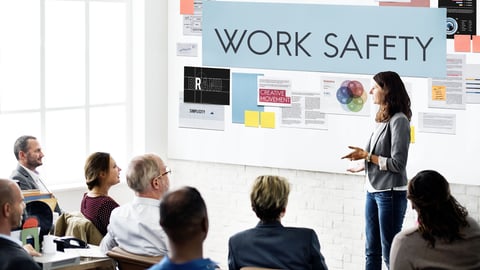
206 85
461 16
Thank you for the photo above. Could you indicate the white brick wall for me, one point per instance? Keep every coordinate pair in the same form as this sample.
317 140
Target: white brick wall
331 204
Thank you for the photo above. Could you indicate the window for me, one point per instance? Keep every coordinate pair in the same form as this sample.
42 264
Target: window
64 78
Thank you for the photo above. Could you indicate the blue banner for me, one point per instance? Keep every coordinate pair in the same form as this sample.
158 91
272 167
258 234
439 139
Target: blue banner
325 38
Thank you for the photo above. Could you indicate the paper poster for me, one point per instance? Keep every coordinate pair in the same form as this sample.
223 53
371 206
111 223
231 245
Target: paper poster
201 116
192 20
345 95
206 85
449 92
274 92
244 91
305 112
472 83
437 123
187 49
461 16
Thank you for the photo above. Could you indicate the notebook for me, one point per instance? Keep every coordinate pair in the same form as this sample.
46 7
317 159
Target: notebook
57 260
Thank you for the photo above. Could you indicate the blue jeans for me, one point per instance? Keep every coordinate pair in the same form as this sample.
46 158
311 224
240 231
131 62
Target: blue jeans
384 213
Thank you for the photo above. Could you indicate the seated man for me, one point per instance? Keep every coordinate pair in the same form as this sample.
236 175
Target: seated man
134 226
29 155
270 244
183 216
12 255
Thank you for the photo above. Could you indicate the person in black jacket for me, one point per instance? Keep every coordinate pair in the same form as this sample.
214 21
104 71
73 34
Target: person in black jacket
13 255
270 244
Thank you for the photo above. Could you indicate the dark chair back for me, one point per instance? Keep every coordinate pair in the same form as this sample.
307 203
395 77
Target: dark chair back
129 261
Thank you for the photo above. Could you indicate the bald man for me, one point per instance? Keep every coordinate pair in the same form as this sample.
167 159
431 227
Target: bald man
12 255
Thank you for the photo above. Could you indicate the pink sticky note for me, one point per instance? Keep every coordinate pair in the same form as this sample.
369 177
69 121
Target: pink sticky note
412 3
462 43
186 7
476 44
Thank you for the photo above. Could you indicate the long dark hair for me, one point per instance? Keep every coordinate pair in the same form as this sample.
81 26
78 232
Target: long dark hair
396 96
439 213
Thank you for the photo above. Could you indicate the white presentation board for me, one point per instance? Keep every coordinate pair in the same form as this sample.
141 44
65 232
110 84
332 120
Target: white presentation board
315 149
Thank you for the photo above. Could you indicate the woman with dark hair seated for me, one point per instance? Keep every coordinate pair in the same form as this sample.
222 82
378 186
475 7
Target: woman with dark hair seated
446 236
101 172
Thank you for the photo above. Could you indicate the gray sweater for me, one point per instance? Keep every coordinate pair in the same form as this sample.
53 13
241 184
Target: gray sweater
411 251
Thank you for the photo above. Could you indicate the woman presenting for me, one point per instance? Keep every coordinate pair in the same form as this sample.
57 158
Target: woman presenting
385 164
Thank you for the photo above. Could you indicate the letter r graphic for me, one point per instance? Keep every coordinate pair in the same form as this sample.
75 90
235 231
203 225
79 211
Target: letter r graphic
198 81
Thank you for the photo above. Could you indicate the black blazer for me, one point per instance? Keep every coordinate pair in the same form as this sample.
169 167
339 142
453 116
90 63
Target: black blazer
14 257
271 245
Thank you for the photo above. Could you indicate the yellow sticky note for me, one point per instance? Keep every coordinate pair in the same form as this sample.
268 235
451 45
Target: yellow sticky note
412 134
252 119
439 92
267 119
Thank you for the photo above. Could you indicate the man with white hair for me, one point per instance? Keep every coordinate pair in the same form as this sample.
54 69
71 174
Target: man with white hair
134 226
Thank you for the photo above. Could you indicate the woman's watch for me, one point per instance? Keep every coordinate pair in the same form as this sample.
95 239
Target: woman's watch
369 157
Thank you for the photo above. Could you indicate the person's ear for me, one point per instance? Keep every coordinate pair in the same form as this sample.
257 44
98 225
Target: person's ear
155 183
21 155
205 225
6 209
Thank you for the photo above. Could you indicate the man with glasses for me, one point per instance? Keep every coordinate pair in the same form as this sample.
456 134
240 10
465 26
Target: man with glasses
134 226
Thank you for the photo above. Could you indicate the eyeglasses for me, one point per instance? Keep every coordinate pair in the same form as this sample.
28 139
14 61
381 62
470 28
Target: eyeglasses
167 171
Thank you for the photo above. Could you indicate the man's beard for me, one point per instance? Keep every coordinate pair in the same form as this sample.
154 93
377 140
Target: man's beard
33 163
17 222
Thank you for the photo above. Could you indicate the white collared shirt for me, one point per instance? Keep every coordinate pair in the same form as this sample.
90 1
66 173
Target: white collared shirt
10 238
135 227
37 179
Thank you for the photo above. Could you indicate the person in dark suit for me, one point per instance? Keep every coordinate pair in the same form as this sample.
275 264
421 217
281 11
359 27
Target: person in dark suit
12 255
385 162
270 244
29 155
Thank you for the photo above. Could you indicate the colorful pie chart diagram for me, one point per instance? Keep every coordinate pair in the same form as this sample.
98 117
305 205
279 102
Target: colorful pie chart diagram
352 95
